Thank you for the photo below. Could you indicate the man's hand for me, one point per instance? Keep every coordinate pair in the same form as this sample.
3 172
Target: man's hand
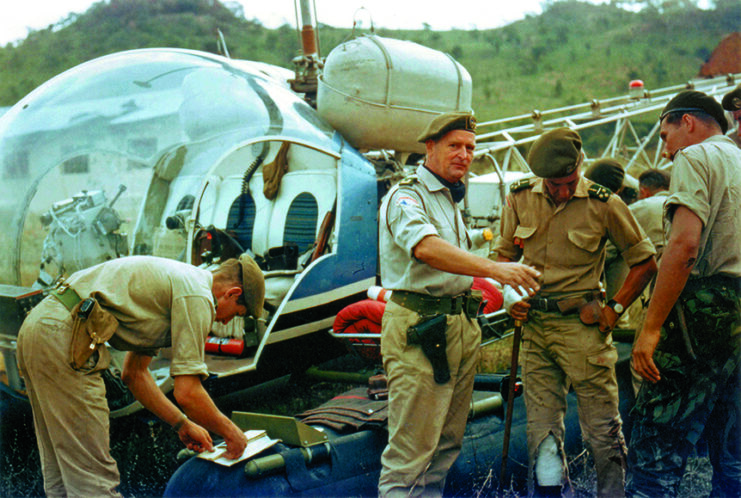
643 352
517 275
236 442
195 437
519 310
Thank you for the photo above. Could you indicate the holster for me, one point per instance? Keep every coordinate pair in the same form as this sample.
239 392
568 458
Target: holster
92 327
430 335
591 313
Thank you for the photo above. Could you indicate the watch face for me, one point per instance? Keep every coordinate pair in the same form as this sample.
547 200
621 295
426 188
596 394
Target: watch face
617 307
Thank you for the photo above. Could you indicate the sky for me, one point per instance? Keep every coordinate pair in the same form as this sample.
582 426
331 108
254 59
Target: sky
18 16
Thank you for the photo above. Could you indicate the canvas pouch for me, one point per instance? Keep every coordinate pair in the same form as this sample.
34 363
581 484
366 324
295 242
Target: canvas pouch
92 327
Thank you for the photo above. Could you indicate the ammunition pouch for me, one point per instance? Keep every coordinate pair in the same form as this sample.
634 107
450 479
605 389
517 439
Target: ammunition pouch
92 326
429 334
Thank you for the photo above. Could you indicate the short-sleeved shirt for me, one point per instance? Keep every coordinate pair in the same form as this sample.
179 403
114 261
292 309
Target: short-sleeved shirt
158 303
419 207
649 214
566 243
706 179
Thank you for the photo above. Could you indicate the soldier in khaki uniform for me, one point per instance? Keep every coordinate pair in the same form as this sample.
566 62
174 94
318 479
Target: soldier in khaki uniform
689 348
424 260
158 303
559 223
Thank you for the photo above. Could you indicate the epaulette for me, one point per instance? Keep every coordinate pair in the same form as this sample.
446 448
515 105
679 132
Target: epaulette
599 192
520 184
409 180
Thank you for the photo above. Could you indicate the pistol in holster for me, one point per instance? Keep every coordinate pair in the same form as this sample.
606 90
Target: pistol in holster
429 334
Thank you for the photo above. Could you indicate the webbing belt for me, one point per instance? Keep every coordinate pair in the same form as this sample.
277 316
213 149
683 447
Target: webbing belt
425 304
67 296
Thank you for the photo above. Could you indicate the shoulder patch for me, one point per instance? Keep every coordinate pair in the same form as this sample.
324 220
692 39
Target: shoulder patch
599 192
406 201
520 184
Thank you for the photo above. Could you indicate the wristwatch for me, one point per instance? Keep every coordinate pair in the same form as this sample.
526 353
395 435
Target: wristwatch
616 306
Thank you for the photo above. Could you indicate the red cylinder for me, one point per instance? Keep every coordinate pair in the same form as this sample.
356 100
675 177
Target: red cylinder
224 345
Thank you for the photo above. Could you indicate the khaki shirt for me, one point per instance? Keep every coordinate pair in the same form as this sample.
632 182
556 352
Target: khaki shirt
706 179
566 243
649 214
412 210
159 303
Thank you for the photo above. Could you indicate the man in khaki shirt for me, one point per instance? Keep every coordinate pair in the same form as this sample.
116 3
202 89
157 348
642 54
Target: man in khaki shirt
424 256
689 346
158 303
559 223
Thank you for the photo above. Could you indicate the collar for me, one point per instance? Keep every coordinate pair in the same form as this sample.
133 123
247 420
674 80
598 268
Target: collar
457 190
582 188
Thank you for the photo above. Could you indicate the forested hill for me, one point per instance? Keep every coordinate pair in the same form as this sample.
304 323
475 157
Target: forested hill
573 52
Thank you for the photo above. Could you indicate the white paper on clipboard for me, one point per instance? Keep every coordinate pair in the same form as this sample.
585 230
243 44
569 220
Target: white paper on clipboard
257 442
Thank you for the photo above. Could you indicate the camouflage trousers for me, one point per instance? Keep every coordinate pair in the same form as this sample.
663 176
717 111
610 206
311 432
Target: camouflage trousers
699 394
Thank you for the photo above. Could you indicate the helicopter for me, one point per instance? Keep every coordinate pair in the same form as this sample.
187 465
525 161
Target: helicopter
199 157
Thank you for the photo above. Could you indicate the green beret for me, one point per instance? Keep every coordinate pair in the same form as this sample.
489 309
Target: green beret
555 153
732 100
449 121
253 285
694 101
607 172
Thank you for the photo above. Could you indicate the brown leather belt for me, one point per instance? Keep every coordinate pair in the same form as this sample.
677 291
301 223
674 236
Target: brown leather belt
549 304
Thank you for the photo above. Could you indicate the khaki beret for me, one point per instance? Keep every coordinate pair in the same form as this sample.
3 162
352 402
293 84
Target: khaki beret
555 154
607 172
693 101
449 121
253 285
732 100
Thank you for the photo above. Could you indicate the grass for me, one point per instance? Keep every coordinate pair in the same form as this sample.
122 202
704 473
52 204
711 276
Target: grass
146 450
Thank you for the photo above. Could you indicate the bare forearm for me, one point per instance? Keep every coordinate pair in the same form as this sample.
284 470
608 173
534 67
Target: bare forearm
677 261
198 405
446 257
142 385
637 279
675 269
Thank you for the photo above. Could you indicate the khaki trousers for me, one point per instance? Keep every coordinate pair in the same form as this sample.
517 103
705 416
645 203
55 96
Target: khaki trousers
70 410
558 351
426 420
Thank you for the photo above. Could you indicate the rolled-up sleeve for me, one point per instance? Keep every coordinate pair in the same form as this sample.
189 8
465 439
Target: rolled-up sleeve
505 246
191 320
688 188
627 234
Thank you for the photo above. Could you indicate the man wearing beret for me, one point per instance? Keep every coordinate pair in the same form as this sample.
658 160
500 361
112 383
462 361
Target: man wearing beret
559 223
607 172
156 303
430 338
688 349
732 102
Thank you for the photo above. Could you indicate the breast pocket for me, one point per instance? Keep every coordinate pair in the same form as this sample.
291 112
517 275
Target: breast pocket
522 234
586 241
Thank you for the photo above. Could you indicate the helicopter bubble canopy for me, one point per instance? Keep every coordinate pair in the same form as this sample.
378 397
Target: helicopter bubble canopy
116 120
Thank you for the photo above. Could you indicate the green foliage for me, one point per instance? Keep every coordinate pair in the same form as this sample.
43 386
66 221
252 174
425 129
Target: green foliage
572 53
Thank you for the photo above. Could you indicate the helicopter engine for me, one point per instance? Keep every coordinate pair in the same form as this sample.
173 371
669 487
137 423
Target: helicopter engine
83 231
